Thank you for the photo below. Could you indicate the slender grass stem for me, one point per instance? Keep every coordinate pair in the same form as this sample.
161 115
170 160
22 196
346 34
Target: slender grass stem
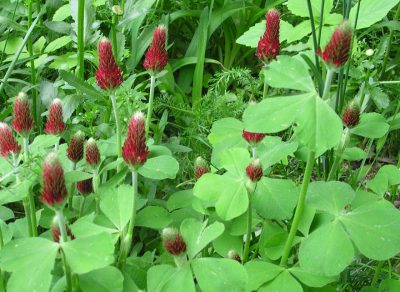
377 272
314 35
248 231
125 248
117 126
389 46
114 41
150 104
64 238
32 65
299 208
81 39
321 22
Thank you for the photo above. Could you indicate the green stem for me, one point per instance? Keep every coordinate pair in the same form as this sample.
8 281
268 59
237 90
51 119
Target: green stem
114 41
81 40
128 238
150 104
377 272
314 35
299 208
328 81
363 88
95 182
25 201
385 60
265 89
338 155
26 149
32 64
64 238
117 126
71 189
248 231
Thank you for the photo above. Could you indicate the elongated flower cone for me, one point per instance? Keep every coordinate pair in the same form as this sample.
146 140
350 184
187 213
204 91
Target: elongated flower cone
173 241
337 51
75 147
268 46
254 170
108 75
22 122
156 56
55 123
351 115
252 138
135 151
54 191
8 143
85 187
200 167
92 153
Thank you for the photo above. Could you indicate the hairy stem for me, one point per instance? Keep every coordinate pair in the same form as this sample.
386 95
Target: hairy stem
377 272
338 155
71 189
125 248
248 231
299 208
64 238
95 183
265 88
328 82
150 104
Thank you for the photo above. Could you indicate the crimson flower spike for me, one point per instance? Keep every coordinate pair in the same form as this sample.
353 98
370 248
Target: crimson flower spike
135 151
22 122
268 46
108 74
337 51
8 143
156 56
351 114
54 191
173 241
92 153
75 147
55 123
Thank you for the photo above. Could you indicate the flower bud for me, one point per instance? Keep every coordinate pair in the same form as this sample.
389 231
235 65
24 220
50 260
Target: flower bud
268 46
351 115
254 170
22 122
337 51
8 143
252 138
92 153
135 151
200 167
85 187
156 56
75 147
233 255
108 74
173 241
55 123
53 191
117 10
